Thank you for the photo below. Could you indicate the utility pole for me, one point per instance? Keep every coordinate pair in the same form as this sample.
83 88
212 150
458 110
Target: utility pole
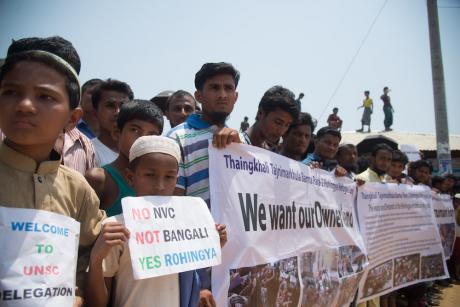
439 91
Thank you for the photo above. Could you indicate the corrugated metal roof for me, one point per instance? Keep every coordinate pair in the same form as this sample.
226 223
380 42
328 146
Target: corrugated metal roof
423 141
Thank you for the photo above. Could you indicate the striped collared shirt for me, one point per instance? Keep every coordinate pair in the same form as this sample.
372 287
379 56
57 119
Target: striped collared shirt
193 137
78 151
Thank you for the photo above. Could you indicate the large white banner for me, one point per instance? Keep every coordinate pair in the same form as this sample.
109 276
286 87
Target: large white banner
38 260
445 217
293 235
170 234
401 236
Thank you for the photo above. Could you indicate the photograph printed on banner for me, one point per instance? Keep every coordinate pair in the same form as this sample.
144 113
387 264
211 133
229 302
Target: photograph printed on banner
378 278
407 269
268 285
348 289
447 233
432 266
319 277
351 260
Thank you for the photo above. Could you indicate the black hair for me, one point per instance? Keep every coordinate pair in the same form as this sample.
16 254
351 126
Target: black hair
421 163
161 99
363 164
90 83
449 176
335 109
456 187
303 119
343 146
381 146
278 97
437 180
385 88
399 156
210 70
328 130
56 45
367 92
110 85
179 94
142 110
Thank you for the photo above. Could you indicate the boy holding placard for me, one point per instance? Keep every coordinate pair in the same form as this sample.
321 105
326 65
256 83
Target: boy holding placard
136 118
39 91
153 169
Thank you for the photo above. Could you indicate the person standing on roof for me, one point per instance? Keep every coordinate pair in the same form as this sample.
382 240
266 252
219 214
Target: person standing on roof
368 106
387 109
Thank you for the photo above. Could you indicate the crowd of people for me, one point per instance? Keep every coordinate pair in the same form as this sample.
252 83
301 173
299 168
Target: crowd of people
347 289
431 265
319 277
335 121
378 279
272 285
77 150
406 269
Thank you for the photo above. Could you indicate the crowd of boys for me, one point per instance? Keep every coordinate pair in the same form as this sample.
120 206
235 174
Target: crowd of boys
78 150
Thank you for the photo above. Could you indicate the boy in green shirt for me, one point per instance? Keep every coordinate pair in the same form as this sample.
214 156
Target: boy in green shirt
136 118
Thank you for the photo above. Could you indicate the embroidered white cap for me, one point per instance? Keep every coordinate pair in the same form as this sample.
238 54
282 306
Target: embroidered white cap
154 143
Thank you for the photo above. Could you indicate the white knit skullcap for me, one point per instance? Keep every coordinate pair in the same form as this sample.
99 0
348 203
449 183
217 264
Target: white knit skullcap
154 143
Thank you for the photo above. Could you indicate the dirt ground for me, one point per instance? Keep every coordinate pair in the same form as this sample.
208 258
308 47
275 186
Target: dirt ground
451 296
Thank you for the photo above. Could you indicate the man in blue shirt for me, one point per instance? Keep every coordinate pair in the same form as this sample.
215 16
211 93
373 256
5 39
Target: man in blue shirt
326 145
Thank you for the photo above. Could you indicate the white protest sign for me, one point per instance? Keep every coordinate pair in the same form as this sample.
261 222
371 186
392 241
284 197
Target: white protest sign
170 234
293 235
401 235
445 217
38 261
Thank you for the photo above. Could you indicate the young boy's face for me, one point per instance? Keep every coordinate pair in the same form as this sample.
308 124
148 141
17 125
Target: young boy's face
396 169
218 94
34 106
274 125
347 157
131 131
326 147
298 139
422 175
449 183
154 174
108 109
179 109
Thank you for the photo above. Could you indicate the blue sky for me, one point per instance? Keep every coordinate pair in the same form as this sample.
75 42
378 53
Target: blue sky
305 46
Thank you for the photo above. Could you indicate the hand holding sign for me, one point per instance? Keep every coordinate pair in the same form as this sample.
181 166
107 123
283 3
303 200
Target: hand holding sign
112 234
